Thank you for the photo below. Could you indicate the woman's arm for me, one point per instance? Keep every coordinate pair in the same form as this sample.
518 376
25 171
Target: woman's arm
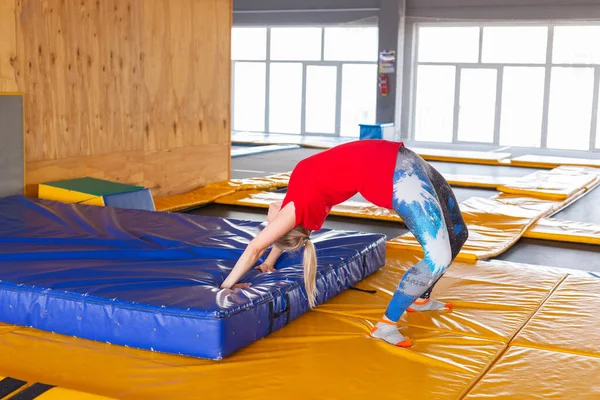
269 264
281 224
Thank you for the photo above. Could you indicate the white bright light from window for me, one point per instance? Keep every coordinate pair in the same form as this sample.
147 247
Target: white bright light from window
249 43
448 44
576 45
351 44
514 44
435 103
296 44
285 97
570 111
522 106
359 97
321 82
477 105
598 128
249 94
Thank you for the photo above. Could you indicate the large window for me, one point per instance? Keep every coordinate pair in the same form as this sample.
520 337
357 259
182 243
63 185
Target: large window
304 80
529 86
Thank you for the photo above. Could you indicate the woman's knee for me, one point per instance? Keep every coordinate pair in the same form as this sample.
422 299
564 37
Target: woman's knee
438 257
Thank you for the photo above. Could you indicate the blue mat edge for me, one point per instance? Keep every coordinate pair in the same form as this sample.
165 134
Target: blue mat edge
186 325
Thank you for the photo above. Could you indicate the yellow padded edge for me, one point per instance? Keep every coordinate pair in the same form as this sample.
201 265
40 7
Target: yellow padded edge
196 198
94 201
565 321
482 181
552 162
353 209
495 224
53 193
67 394
564 231
462 156
526 373
213 191
558 184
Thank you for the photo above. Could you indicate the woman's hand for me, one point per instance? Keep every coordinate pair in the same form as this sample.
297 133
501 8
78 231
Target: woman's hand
265 267
241 285
281 224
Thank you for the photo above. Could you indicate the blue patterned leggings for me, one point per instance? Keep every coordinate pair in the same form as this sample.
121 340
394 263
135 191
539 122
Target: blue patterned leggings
426 204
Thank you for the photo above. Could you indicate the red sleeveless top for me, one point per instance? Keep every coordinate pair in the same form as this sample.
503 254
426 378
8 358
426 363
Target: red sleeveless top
335 175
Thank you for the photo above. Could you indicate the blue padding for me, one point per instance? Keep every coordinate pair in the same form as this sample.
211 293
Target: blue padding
136 200
251 150
373 131
150 280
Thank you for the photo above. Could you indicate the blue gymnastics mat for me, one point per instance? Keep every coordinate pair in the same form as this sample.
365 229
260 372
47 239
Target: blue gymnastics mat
150 280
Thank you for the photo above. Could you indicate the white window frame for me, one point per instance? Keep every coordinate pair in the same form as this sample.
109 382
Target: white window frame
548 65
305 64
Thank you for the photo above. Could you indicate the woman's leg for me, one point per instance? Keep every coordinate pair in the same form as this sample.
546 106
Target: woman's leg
457 233
417 203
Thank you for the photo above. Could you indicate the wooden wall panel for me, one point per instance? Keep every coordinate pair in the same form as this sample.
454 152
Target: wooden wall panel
107 80
164 171
8 46
124 167
187 92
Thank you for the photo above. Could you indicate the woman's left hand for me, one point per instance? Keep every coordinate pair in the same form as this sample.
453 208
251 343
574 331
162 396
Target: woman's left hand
241 285
265 268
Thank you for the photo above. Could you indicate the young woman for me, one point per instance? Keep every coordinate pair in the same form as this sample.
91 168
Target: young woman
389 175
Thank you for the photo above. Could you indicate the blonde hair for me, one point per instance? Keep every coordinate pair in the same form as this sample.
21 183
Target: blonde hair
294 240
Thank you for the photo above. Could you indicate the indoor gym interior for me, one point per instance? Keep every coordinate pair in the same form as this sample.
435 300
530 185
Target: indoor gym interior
142 143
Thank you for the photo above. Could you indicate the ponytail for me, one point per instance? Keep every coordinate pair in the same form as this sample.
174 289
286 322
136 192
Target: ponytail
310 272
292 241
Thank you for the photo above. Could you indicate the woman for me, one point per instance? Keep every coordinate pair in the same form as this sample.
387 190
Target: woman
390 176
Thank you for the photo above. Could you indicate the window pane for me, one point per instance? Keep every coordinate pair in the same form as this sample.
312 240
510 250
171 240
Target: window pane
570 111
576 45
435 103
351 44
321 85
301 44
249 96
515 44
522 106
448 44
359 97
598 128
249 43
285 97
477 105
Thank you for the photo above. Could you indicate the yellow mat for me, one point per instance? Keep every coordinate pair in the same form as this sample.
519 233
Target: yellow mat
495 224
328 354
213 191
564 231
10 388
482 181
558 184
562 322
526 373
462 156
552 162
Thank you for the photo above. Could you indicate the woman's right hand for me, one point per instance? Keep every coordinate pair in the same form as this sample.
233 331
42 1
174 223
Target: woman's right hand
265 267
